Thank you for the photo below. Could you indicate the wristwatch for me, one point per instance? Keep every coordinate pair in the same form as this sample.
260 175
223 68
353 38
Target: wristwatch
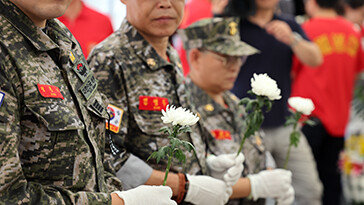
296 39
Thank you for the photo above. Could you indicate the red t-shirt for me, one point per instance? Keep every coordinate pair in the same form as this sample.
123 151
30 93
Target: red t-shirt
194 11
330 86
89 28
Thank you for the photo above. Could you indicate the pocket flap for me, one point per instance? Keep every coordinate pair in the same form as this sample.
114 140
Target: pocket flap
56 116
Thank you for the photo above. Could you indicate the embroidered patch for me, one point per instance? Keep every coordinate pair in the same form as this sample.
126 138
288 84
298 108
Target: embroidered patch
116 114
89 87
97 106
2 96
81 71
49 91
72 57
152 103
221 134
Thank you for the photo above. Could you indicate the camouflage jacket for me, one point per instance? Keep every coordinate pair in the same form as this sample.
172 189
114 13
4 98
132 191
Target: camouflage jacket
139 83
52 119
224 128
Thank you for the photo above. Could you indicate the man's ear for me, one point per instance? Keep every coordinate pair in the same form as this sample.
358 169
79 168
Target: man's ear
194 56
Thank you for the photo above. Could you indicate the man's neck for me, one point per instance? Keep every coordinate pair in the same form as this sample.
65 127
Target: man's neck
73 10
262 17
325 13
216 96
160 44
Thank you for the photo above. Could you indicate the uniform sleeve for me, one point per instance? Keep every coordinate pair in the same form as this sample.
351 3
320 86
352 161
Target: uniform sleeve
14 187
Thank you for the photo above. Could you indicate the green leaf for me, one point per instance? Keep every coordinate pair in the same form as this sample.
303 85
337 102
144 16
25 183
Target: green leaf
290 121
166 130
268 104
310 122
180 156
188 146
249 106
175 142
295 138
244 101
184 129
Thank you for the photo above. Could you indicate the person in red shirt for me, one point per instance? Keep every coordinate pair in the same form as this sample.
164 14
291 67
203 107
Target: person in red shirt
330 86
87 25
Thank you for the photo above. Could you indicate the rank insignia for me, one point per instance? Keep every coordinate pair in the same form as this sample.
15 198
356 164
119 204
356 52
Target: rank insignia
81 71
49 91
258 140
209 107
96 105
151 62
152 103
72 57
2 96
221 134
233 26
89 87
116 114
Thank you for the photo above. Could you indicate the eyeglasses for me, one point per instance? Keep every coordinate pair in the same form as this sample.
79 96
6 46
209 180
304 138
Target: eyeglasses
227 61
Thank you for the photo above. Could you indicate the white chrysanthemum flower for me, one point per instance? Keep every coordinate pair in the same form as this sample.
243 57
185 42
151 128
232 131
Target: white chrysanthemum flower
303 105
263 85
178 116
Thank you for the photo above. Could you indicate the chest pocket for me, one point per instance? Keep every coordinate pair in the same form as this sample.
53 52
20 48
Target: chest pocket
56 116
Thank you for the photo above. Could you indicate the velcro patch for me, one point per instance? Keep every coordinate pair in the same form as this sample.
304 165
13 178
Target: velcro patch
221 134
49 91
2 96
89 87
81 71
152 103
116 114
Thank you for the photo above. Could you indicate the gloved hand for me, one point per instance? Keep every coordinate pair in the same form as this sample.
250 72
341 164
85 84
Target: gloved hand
287 198
153 195
272 183
205 190
227 167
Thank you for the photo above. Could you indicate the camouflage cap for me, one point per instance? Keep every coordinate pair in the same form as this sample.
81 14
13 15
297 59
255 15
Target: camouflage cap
216 34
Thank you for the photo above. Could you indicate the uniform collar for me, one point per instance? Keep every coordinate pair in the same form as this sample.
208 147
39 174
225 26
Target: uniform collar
24 25
205 104
145 51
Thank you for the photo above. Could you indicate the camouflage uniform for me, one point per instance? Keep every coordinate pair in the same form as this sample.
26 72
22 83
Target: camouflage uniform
52 121
223 126
128 68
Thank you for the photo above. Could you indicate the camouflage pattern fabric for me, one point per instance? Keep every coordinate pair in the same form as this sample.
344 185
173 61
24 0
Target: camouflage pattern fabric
224 127
216 34
128 68
52 119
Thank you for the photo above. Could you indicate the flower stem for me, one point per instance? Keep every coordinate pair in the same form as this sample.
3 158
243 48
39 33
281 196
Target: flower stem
167 169
287 156
241 145
289 148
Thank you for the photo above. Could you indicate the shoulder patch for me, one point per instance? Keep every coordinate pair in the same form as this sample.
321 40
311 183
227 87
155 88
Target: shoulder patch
116 114
2 96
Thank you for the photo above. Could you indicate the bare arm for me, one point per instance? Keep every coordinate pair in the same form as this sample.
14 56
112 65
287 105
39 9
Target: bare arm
306 51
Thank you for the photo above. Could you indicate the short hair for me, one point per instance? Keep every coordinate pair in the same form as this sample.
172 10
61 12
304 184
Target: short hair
329 4
354 4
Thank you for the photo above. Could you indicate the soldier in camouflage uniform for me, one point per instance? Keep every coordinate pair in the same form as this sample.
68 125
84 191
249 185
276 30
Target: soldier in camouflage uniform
52 118
140 78
215 55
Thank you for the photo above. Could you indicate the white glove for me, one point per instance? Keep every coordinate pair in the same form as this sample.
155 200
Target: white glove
272 183
205 190
227 167
152 195
287 198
